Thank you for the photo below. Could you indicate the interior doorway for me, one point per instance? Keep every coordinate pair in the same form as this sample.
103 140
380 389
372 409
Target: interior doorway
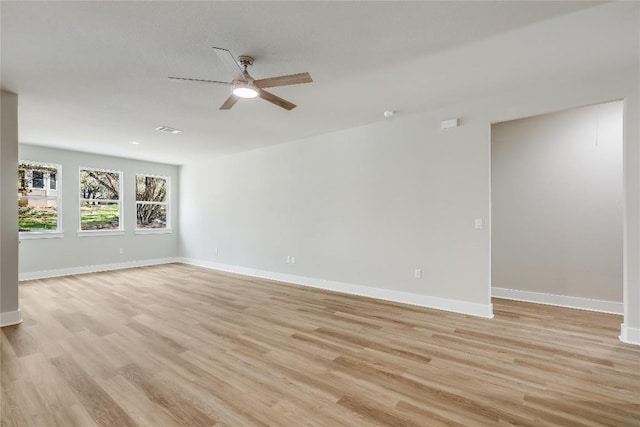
557 208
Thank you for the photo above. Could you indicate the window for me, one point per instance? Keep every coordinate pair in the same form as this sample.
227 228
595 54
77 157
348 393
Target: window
37 180
152 208
52 181
38 203
100 206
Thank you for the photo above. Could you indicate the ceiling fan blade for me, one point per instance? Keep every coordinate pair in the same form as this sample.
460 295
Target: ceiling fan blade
230 102
291 79
230 62
267 96
200 80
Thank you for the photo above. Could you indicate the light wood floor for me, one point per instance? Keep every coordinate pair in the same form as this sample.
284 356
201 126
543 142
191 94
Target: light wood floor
176 345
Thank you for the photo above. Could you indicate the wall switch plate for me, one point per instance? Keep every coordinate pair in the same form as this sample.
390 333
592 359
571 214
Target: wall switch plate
293 260
417 273
288 259
121 251
479 223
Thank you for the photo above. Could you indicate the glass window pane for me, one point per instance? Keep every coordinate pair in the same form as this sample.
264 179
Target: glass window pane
151 189
151 215
99 215
99 185
37 215
53 181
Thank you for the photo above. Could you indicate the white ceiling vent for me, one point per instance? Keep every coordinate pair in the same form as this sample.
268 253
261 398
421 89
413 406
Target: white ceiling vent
167 129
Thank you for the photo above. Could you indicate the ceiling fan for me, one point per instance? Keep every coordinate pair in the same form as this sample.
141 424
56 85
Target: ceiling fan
245 86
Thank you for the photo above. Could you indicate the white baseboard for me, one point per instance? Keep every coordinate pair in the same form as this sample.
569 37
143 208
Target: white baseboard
464 307
9 318
43 274
629 335
559 300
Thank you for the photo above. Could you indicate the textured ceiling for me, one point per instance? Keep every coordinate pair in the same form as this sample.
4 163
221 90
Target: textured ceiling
92 76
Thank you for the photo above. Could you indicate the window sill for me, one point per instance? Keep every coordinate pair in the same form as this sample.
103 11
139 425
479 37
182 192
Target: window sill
100 233
154 231
44 235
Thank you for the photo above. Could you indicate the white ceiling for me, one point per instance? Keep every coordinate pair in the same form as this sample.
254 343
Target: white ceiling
92 76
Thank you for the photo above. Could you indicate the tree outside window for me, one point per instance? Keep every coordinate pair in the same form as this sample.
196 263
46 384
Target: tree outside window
151 202
100 206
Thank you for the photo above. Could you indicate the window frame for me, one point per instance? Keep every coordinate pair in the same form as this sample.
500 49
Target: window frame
166 203
44 234
120 201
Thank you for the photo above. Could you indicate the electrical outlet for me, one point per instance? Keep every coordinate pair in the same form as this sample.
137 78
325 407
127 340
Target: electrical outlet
288 259
121 251
293 260
417 273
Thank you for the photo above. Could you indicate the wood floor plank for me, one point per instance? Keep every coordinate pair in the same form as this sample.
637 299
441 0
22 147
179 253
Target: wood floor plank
174 404
74 416
10 406
104 411
143 411
177 345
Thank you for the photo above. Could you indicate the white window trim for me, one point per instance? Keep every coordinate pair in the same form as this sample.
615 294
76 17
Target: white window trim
100 233
110 232
35 235
167 203
143 231
53 234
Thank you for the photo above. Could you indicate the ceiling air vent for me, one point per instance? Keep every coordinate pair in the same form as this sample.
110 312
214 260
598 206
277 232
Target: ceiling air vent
167 129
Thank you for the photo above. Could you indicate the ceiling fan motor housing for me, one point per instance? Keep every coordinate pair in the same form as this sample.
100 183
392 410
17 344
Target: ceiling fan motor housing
245 61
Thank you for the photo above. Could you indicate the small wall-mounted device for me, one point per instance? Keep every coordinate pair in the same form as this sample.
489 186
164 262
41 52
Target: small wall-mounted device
451 123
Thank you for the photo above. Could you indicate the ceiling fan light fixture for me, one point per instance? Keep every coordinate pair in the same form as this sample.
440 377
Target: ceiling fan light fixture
244 86
245 91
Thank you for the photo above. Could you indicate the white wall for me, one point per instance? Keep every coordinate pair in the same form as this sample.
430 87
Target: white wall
72 253
9 310
366 206
557 203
